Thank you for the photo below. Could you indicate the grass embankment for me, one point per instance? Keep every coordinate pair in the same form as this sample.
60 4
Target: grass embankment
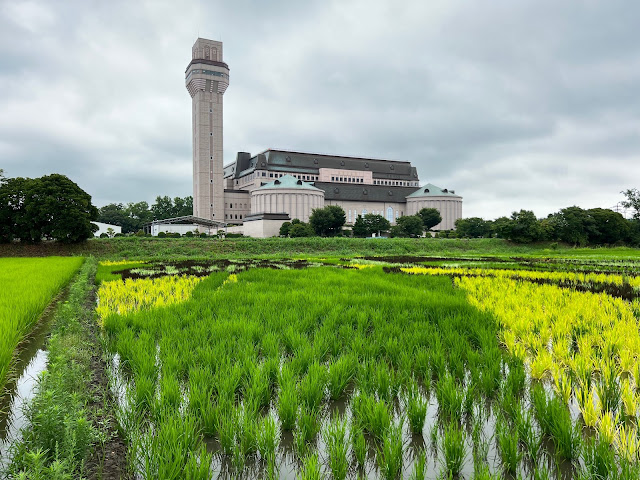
27 286
61 430
163 248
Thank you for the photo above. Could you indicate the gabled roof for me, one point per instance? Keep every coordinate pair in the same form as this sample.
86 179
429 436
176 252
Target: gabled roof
430 190
289 182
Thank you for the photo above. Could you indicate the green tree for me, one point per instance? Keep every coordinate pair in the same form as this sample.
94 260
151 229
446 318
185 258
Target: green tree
376 224
430 217
501 227
525 227
327 221
162 208
359 228
182 207
632 196
575 225
609 227
47 207
473 227
301 230
408 226
284 229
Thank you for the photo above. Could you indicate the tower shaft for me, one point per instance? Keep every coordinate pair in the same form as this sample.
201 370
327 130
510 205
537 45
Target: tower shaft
207 78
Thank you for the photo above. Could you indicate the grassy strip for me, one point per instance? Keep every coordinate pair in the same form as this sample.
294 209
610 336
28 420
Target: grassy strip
27 286
59 433
152 248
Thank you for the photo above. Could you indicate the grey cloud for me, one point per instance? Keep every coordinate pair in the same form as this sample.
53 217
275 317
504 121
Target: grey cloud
531 104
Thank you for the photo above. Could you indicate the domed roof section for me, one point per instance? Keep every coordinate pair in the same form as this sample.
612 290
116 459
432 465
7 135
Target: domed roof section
430 190
289 182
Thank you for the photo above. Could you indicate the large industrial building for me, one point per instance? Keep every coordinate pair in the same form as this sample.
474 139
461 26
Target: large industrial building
260 192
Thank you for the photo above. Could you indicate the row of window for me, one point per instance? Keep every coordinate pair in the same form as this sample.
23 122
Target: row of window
230 216
207 72
389 216
395 183
238 205
347 179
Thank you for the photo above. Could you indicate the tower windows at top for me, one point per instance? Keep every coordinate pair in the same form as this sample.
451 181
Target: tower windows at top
206 52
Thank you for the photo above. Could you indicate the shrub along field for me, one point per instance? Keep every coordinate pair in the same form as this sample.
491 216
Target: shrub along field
27 286
376 368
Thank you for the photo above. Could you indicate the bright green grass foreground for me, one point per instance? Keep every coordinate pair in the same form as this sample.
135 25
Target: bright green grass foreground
27 286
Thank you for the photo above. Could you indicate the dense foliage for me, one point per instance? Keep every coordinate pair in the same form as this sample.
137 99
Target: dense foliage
408 226
571 225
370 224
49 207
132 216
327 221
430 217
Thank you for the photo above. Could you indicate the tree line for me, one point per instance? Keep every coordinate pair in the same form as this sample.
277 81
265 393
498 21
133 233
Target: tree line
328 222
572 225
133 216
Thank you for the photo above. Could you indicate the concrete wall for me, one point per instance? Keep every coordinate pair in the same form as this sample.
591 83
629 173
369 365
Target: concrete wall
298 203
103 227
262 228
362 208
450 209
237 205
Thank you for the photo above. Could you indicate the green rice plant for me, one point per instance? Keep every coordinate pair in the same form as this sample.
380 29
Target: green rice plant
310 469
144 390
469 399
419 466
311 387
453 449
248 431
383 381
541 472
529 437
288 406
599 459
449 398
358 446
390 453
508 446
483 473
307 429
268 438
341 373
378 419
259 389
227 421
565 435
170 393
335 438
27 286
416 408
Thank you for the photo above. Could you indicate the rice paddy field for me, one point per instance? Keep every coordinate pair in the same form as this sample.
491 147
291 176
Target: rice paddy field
27 286
375 367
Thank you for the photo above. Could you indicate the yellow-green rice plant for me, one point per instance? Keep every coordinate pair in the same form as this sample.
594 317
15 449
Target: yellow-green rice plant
416 407
607 427
562 384
590 409
541 365
630 399
358 446
627 443
453 449
133 295
311 387
341 373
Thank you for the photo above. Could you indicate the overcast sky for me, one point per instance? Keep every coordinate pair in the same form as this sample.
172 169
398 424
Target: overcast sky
514 104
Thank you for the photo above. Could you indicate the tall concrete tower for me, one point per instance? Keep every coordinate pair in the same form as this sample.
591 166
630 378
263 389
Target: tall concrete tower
207 78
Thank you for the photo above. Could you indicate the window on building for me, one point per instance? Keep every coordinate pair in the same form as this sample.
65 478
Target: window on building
364 212
349 216
271 175
390 214
225 216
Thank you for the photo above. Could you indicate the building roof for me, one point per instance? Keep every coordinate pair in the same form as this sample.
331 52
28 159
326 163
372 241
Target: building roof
364 193
300 162
430 190
289 182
